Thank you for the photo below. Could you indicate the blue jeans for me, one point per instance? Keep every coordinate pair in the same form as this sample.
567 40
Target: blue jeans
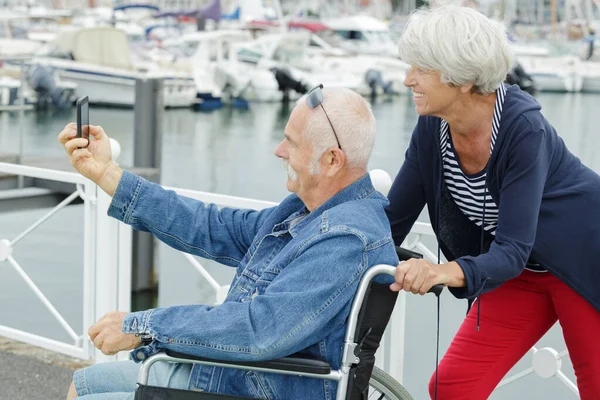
118 380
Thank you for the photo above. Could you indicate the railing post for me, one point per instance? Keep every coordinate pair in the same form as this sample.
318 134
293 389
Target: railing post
113 266
20 178
390 356
148 120
89 263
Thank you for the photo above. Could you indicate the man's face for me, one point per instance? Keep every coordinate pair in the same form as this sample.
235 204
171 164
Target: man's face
296 154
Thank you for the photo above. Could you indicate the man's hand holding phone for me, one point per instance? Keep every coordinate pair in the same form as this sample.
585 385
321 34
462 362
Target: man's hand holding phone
92 157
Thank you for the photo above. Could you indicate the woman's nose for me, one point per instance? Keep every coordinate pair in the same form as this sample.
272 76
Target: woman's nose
408 80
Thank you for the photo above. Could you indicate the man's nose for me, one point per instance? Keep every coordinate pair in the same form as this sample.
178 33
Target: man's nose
280 151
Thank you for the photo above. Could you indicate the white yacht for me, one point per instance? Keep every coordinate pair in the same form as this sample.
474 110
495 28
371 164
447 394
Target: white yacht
209 56
554 74
390 70
99 61
14 40
363 34
288 52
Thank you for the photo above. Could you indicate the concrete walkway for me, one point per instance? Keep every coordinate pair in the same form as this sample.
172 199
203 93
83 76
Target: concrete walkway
32 373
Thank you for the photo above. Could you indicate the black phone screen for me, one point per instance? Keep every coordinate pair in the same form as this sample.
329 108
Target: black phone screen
83 118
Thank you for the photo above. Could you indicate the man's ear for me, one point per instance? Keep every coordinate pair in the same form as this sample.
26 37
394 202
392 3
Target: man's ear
334 160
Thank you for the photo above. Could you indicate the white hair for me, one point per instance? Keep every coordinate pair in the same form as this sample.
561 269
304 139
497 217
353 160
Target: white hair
354 124
465 46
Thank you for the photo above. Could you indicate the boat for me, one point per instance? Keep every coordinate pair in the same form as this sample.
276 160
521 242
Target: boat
99 61
9 92
288 52
14 40
363 34
207 56
554 74
590 73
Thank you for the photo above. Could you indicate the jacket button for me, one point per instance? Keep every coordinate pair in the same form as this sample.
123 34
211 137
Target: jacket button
141 356
171 340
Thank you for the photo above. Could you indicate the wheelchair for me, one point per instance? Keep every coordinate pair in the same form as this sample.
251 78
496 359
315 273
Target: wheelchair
357 378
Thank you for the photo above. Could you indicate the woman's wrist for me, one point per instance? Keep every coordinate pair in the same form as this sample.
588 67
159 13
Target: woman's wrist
453 272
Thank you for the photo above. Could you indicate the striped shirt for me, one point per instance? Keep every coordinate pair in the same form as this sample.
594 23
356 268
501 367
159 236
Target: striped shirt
469 190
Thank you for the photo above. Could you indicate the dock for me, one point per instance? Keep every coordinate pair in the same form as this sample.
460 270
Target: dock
33 373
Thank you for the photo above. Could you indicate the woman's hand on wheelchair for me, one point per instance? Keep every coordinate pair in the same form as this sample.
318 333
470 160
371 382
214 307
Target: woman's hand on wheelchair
417 276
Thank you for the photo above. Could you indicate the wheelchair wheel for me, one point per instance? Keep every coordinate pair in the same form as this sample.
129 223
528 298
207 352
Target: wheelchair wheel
383 386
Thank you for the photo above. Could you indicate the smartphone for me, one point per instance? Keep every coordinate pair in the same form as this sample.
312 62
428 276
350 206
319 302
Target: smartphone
83 117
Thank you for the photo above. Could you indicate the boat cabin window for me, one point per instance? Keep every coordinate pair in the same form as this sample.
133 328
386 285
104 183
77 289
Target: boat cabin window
330 37
248 56
380 37
351 34
134 38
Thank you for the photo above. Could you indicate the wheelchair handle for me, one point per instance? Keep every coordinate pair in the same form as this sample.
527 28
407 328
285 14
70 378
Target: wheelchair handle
405 254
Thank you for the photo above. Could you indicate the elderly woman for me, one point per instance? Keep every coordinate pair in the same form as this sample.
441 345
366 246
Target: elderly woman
515 212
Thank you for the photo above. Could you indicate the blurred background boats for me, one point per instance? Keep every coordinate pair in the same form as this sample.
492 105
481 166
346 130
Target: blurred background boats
216 52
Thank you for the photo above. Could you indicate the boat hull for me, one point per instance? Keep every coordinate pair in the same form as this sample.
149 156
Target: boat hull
116 88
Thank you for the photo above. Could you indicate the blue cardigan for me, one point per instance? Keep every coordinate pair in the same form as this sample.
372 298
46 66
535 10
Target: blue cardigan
549 202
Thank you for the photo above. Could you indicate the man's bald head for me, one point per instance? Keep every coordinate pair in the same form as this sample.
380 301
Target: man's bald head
352 119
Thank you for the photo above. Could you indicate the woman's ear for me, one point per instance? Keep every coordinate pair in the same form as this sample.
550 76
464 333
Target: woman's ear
467 88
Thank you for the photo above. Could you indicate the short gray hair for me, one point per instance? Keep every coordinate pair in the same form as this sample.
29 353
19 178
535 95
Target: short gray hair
462 44
354 124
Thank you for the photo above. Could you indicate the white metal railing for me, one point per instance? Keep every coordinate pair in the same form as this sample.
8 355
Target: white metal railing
546 363
223 201
106 265
78 347
390 356
107 276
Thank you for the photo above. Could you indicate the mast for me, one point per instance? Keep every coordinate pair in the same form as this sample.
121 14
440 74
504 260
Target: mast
553 14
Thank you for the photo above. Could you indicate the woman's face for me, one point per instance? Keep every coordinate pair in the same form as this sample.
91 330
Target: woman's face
431 96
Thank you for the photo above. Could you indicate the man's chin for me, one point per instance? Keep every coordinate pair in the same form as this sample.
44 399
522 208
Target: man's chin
290 185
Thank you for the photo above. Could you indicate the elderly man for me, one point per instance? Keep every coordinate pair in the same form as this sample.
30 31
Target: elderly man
298 264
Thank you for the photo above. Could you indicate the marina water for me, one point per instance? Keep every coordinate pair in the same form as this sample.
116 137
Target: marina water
230 151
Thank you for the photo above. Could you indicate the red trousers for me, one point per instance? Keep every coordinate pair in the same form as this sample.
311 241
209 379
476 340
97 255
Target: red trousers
513 318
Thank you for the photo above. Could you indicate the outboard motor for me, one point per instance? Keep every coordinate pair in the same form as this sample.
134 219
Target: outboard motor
42 81
518 76
373 78
286 82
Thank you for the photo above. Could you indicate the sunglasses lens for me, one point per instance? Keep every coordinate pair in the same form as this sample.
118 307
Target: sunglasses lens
315 97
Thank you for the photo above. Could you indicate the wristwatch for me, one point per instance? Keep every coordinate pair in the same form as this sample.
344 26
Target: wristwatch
146 338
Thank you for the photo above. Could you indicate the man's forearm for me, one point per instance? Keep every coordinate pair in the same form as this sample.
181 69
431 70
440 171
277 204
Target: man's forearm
109 181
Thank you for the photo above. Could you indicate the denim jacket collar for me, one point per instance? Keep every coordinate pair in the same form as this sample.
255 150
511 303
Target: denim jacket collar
360 189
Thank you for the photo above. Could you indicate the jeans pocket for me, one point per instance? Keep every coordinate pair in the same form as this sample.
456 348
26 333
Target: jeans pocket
257 386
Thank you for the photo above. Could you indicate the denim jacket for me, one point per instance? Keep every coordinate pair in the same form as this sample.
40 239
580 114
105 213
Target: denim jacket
296 275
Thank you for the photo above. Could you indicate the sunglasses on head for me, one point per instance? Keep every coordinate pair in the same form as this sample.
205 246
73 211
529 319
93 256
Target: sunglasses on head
314 98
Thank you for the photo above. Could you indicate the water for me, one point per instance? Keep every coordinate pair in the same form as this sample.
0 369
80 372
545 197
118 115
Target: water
231 152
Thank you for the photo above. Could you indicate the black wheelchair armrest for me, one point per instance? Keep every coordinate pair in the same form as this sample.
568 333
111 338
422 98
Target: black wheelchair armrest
294 364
